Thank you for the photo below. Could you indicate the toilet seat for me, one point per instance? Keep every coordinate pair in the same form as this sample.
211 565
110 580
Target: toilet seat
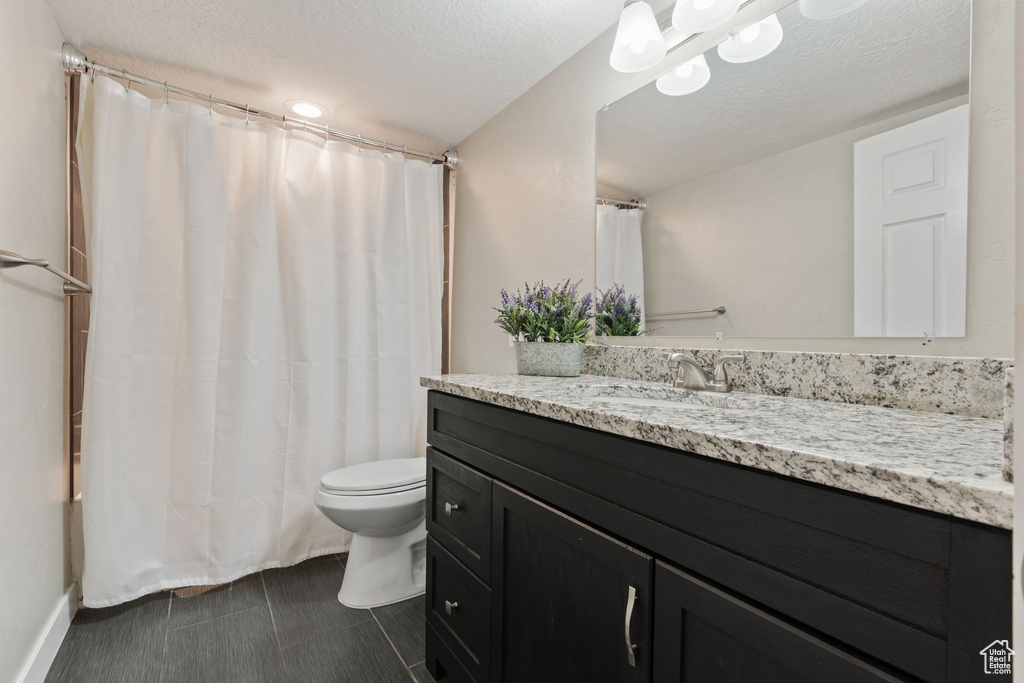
372 492
376 478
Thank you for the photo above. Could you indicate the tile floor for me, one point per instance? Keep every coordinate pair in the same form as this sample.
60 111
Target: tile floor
281 625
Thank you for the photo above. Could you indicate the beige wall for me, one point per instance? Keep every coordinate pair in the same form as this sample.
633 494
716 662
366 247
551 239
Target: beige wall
772 240
525 207
34 569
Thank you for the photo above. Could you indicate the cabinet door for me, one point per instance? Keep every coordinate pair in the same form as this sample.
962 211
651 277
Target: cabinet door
572 603
704 634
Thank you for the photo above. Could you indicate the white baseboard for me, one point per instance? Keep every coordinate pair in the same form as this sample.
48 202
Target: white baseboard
46 647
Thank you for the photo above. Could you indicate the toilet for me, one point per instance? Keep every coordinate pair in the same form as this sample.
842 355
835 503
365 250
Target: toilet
382 503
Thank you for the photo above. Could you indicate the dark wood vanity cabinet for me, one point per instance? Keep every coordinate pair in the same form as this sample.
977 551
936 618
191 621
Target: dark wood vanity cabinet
559 553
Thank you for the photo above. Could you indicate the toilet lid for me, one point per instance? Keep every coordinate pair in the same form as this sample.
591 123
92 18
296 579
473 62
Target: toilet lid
377 476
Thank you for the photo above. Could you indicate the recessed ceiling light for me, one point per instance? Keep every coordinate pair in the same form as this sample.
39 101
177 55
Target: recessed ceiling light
306 109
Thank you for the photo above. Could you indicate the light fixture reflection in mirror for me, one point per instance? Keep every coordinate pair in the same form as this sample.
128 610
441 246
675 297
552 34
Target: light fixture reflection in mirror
828 9
639 43
686 78
753 42
697 16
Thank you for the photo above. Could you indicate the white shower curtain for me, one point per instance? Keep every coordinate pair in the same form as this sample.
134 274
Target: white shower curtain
620 255
264 304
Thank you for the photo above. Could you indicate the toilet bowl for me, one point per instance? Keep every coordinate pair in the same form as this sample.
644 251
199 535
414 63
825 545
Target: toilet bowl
383 504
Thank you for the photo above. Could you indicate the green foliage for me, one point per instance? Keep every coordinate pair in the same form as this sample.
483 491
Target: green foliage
542 313
618 315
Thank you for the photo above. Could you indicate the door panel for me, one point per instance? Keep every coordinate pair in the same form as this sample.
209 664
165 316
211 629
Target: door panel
910 229
563 611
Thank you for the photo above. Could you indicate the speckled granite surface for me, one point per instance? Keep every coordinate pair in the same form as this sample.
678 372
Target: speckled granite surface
957 386
1008 426
949 464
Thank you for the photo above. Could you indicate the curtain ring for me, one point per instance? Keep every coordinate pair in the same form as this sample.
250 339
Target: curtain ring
247 114
211 104
305 129
167 100
92 78
127 83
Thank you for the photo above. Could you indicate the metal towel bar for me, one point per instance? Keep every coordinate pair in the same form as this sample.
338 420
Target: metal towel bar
71 285
720 310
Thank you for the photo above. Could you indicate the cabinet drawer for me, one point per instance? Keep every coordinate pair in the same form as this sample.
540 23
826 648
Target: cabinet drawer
459 610
442 662
459 511
702 634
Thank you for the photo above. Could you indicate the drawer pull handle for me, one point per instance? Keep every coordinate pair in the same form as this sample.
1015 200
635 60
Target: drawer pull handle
449 606
630 647
449 508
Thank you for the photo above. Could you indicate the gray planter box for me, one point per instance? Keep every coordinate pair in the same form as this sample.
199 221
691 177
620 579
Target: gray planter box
549 359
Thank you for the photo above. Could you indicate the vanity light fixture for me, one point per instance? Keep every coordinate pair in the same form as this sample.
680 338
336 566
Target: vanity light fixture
697 16
307 109
828 9
639 44
686 78
753 42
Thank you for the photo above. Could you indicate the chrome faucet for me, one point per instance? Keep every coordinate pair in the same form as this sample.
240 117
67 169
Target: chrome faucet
690 375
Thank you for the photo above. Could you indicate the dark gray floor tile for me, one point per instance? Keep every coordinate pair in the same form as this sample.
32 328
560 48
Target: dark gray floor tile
359 653
115 644
333 557
304 601
239 647
420 673
404 623
237 596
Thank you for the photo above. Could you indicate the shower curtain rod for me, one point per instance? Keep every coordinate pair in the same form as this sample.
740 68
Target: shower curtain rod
638 203
76 62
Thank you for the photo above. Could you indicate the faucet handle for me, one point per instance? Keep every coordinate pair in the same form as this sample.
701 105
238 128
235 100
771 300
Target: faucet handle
720 374
670 357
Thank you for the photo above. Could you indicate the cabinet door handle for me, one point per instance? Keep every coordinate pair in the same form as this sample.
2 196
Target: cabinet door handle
449 508
630 647
449 606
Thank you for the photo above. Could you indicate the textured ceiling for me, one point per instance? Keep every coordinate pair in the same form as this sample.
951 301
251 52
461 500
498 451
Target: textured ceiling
826 77
421 73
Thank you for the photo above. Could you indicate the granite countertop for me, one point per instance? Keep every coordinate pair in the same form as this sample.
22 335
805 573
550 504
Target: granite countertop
944 463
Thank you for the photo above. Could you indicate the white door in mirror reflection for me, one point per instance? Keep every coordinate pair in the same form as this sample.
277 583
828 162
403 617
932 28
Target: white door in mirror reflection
910 229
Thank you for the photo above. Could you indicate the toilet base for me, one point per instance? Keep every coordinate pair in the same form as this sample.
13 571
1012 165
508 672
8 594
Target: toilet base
381 570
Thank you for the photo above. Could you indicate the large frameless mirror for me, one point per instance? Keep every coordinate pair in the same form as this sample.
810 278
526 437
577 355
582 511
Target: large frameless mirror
808 176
